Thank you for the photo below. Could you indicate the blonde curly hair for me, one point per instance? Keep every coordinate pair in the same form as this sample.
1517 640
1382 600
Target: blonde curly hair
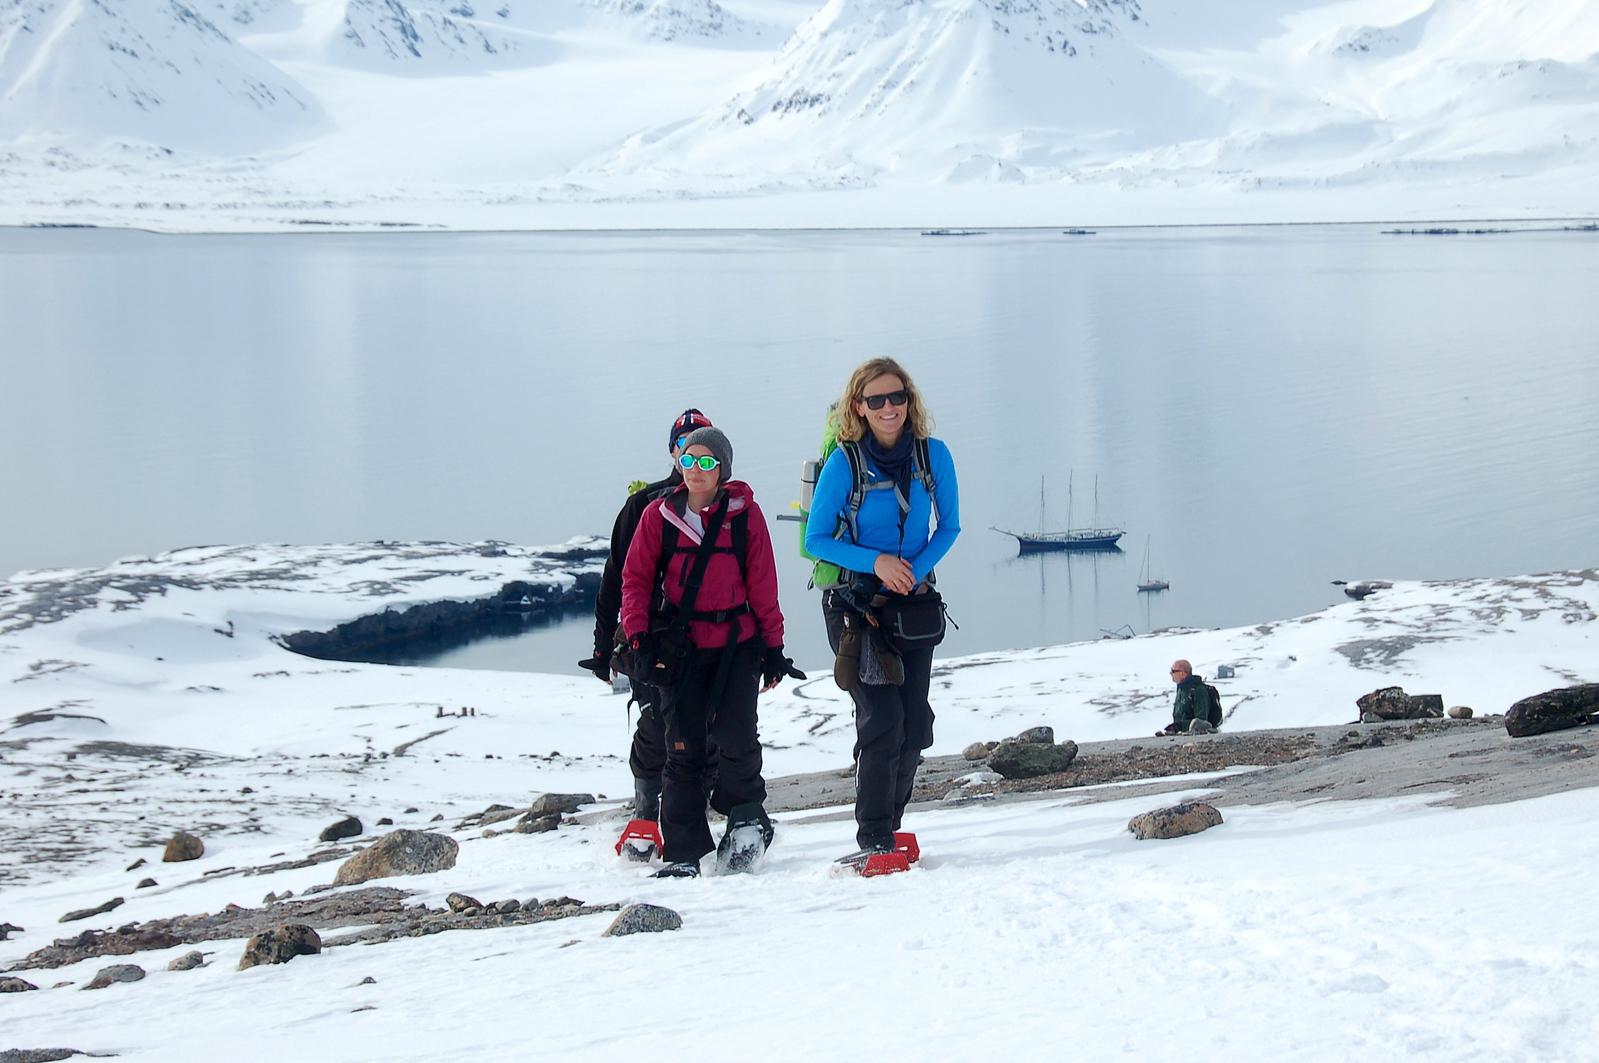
852 427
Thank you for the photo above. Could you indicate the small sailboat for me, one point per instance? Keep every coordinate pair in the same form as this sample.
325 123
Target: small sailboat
1146 582
1095 538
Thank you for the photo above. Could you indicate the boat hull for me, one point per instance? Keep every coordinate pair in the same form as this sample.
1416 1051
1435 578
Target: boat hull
1099 543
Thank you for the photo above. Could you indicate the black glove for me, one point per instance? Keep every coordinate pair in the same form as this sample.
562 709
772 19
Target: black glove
775 667
599 664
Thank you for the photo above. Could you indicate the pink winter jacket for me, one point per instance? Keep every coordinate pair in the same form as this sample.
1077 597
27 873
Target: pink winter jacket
723 588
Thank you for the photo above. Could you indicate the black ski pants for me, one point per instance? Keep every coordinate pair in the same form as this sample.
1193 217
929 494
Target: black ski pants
892 727
705 733
647 756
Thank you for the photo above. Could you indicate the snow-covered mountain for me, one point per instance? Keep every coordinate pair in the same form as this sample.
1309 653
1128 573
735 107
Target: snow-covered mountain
535 112
157 71
944 89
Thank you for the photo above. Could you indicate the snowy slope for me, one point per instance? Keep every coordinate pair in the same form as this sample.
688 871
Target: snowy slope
1301 930
528 113
159 72
947 89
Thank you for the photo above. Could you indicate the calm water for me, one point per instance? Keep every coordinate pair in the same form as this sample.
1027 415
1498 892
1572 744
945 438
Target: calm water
1272 407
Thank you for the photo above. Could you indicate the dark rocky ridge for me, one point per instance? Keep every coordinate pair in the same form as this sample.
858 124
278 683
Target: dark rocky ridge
380 638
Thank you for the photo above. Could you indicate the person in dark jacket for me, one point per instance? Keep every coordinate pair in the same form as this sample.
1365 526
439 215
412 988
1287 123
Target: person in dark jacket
1191 704
734 642
647 757
889 547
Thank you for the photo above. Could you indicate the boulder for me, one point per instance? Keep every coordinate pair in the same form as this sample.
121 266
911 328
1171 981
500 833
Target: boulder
506 907
643 919
1039 735
16 985
280 945
460 902
1553 710
187 962
89 913
7 929
1027 760
547 804
1190 817
1392 703
975 751
1460 712
183 847
348 827
399 852
532 824
146 883
117 972
136 864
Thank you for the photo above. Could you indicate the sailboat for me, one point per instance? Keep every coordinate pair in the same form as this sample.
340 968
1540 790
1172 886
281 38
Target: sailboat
1146 582
1095 538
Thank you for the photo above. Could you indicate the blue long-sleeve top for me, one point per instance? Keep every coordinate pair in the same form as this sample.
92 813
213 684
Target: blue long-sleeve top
878 520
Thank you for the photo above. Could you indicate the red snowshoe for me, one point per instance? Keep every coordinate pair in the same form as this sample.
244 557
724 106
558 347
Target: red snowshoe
640 841
880 860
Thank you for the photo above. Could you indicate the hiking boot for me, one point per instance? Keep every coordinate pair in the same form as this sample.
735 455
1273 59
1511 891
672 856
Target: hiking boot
679 869
748 835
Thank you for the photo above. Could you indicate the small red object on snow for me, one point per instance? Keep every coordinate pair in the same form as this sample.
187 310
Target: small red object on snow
885 864
644 830
905 842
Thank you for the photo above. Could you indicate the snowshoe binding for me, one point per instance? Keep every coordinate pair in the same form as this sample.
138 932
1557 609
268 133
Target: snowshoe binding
640 841
679 869
748 835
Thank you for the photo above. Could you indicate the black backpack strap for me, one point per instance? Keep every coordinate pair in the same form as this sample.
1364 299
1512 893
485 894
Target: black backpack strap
741 548
702 560
857 490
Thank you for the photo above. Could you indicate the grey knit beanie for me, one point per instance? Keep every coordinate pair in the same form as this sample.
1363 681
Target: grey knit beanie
715 441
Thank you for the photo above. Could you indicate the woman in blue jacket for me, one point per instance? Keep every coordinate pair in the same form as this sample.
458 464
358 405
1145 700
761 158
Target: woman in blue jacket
907 519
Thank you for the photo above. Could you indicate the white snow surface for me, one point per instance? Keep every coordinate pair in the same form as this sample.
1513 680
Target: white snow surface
1372 929
271 114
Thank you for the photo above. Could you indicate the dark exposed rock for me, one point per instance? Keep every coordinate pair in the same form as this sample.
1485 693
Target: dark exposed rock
38 1055
280 945
7 929
1392 703
188 961
400 852
90 913
374 904
117 972
1460 712
1044 735
531 824
1553 710
497 814
1190 817
348 827
16 985
460 902
643 919
136 864
546 804
1025 760
183 847
146 883
506 907
975 751
385 822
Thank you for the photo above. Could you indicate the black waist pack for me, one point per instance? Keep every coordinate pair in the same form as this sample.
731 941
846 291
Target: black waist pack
915 622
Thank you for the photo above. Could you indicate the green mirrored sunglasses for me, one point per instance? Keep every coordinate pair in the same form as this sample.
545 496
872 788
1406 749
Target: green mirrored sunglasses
704 461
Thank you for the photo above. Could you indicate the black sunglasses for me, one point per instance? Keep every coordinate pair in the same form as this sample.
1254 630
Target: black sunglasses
897 398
